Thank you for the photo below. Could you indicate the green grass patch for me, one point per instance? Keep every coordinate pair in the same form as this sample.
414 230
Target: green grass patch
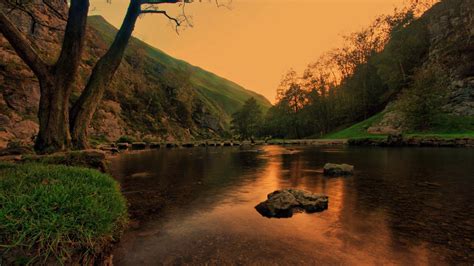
57 213
358 130
445 126
448 126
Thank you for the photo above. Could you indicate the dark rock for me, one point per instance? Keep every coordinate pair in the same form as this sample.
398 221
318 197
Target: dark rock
394 140
123 146
155 145
331 169
171 145
138 146
284 203
188 145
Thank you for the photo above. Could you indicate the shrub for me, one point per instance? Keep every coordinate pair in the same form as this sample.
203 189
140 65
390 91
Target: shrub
57 213
421 103
126 139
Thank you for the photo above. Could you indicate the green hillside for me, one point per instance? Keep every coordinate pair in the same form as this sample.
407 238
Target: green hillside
224 96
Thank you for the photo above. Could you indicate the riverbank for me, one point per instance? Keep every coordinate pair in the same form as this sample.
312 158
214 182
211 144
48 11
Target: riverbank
136 146
56 214
413 141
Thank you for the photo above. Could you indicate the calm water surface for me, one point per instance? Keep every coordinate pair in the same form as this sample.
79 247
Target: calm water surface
405 206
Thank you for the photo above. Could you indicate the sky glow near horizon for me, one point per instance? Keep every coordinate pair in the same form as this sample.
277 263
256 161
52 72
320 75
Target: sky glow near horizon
255 41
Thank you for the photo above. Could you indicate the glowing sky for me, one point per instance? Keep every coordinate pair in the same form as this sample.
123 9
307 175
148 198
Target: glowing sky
255 41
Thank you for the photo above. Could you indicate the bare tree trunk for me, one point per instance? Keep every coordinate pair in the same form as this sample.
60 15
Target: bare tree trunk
55 81
102 74
53 118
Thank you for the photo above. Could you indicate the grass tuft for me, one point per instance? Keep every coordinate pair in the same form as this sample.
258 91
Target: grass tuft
57 213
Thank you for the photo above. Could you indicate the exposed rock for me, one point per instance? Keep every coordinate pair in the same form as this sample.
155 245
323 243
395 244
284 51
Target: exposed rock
395 140
5 138
284 203
107 121
331 169
25 130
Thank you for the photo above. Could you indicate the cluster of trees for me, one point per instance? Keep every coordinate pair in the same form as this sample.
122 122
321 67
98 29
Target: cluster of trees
247 121
354 82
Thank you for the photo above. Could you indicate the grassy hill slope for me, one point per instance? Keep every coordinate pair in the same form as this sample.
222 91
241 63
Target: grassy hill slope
223 95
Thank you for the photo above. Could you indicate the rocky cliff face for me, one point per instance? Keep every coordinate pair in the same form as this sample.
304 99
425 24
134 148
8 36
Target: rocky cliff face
451 28
19 89
451 25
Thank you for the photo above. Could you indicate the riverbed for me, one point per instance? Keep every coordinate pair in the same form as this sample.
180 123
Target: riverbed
405 206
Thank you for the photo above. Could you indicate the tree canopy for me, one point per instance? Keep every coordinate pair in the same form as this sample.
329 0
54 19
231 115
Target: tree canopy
246 122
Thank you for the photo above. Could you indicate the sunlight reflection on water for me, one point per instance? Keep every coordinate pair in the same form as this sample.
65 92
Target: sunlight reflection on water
373 216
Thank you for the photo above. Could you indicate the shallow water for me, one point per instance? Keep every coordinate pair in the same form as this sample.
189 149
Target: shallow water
406 206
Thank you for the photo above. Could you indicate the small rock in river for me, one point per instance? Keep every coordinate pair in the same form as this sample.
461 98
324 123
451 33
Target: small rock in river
283 203
332 169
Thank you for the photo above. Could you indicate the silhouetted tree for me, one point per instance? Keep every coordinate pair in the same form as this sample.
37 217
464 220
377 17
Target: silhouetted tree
247 121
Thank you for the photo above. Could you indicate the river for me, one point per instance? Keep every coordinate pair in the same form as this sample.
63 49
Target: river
403 206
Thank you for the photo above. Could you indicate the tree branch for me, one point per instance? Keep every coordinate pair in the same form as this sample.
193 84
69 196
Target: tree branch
152 2
22 47
74 37
176 21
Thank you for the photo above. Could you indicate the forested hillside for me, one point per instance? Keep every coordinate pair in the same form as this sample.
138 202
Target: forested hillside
153 95
408 72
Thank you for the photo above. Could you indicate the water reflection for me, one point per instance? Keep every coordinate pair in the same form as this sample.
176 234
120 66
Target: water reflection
403 206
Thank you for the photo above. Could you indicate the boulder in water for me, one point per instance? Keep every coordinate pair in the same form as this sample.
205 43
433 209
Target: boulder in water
283 203
332 169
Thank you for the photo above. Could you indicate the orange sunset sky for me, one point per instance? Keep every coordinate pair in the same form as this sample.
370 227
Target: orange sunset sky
255 41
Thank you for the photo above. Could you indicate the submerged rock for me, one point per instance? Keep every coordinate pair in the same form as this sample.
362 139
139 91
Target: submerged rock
332 169
283 203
